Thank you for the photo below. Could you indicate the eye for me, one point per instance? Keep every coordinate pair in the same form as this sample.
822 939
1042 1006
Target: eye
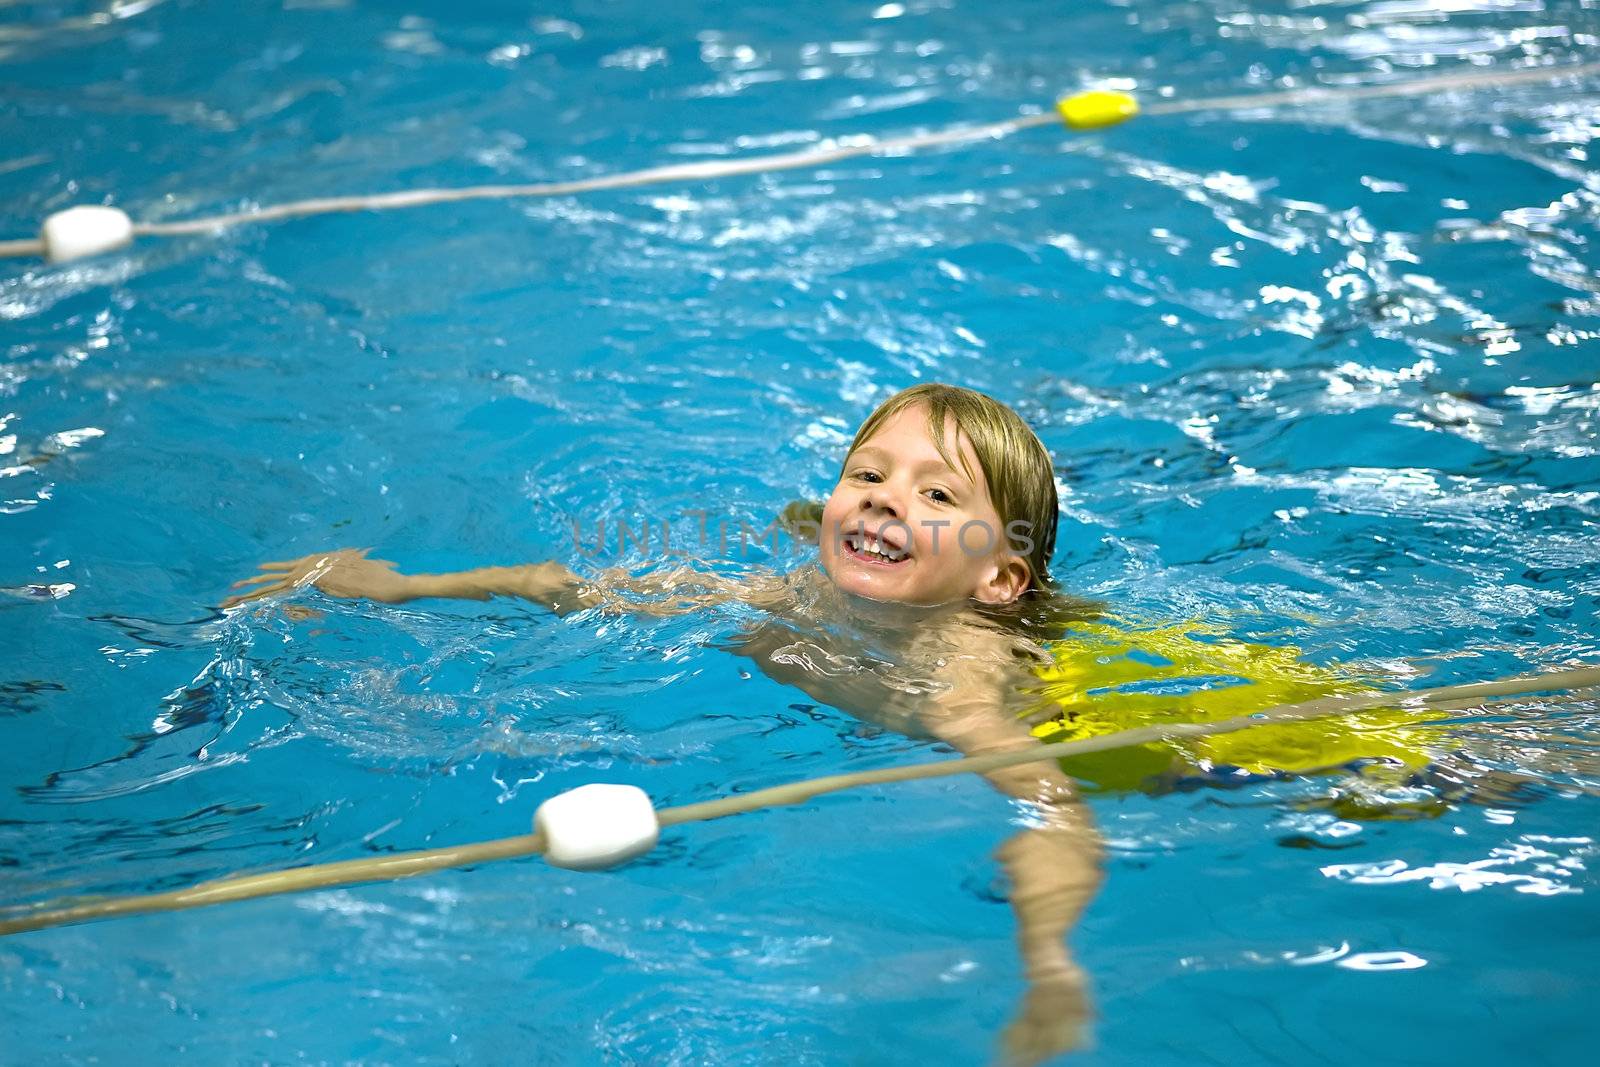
939 496
866 475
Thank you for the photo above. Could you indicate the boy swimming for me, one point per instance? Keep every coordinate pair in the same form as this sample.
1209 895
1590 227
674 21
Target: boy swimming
932 545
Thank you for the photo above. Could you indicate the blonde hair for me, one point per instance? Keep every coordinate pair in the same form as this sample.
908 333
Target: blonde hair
1016 466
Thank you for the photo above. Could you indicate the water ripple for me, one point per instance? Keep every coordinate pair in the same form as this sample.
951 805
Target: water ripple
1323 376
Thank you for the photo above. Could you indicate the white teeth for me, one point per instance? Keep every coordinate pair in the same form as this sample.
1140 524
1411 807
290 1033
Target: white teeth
875 549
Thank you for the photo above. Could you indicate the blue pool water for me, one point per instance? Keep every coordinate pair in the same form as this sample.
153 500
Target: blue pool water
1324 375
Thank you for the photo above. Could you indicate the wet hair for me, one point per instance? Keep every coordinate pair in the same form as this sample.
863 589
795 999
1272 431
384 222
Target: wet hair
1016 466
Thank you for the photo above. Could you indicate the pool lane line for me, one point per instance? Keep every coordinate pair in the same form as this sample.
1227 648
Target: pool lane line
26 246
112 228
410 864
1333 94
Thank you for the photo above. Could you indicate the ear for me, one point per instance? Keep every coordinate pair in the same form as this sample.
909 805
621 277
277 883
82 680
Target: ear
1007 580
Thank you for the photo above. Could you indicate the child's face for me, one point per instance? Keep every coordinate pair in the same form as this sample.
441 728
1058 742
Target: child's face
903 525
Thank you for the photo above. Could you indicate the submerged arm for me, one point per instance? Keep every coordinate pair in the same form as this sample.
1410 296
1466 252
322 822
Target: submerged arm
1054 866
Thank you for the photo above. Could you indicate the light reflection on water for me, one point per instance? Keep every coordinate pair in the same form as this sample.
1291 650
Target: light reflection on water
1329 376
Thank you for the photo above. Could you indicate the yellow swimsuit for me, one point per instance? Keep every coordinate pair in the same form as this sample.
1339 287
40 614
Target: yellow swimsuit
1109 678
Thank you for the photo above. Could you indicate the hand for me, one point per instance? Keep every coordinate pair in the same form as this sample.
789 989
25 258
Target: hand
346 572
1055 1012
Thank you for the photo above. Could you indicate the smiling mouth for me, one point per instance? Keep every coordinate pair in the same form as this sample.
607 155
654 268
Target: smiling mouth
867 548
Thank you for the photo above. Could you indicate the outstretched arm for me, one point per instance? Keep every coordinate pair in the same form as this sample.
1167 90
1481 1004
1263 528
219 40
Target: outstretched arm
348 572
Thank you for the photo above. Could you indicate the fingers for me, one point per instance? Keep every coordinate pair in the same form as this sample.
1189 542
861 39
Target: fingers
315 557
256 580
276 575
279 575
255 594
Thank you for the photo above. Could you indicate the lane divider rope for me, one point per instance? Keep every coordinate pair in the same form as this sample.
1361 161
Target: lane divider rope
411 864
93 229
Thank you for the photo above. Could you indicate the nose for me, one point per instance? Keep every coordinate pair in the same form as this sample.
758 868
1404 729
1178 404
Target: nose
882 497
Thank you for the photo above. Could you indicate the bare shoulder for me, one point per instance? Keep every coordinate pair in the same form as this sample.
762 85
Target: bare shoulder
968 650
